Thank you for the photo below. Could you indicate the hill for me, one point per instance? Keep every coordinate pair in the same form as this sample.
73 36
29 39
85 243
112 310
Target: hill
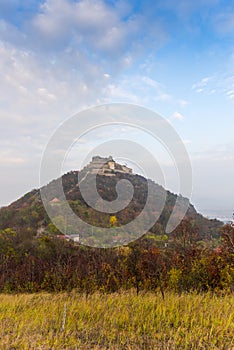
27 214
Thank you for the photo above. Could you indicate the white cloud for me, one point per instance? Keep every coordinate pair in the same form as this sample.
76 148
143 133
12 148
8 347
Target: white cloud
119 93
201 84
90 24
66 20
44 93
222 83
163 97
177 116
152 83
143 90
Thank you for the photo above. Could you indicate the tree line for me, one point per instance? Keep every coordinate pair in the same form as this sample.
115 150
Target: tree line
47 263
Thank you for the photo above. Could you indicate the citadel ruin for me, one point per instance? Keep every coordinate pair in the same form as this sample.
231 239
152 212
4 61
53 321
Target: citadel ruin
106 166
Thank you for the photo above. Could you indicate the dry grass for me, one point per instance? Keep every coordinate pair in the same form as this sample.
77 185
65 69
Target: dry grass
117 321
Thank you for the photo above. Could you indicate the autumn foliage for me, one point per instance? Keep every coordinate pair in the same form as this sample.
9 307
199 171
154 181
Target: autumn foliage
48 263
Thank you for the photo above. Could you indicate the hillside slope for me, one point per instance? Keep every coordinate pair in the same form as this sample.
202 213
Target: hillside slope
28 213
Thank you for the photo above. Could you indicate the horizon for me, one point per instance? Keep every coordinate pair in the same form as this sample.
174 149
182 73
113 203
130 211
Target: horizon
62 57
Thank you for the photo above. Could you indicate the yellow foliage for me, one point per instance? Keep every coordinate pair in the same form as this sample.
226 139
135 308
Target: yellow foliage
113 220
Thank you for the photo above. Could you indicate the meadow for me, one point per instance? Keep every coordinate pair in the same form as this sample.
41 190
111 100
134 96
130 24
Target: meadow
118 321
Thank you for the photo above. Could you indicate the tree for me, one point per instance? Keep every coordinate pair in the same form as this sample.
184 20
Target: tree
185 238
113 220
227 233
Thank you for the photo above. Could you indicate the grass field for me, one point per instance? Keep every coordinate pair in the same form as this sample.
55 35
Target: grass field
116 321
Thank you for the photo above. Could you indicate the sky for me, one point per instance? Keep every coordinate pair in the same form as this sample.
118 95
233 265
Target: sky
59 57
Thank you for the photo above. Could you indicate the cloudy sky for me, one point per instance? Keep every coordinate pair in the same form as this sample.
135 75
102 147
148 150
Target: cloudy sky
58 57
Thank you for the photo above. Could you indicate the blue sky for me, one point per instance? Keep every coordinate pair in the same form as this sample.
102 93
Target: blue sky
58 57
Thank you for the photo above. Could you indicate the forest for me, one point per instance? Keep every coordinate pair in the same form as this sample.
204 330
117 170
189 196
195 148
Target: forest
50 263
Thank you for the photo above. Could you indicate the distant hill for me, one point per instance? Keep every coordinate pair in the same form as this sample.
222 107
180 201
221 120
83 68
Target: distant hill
27 214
